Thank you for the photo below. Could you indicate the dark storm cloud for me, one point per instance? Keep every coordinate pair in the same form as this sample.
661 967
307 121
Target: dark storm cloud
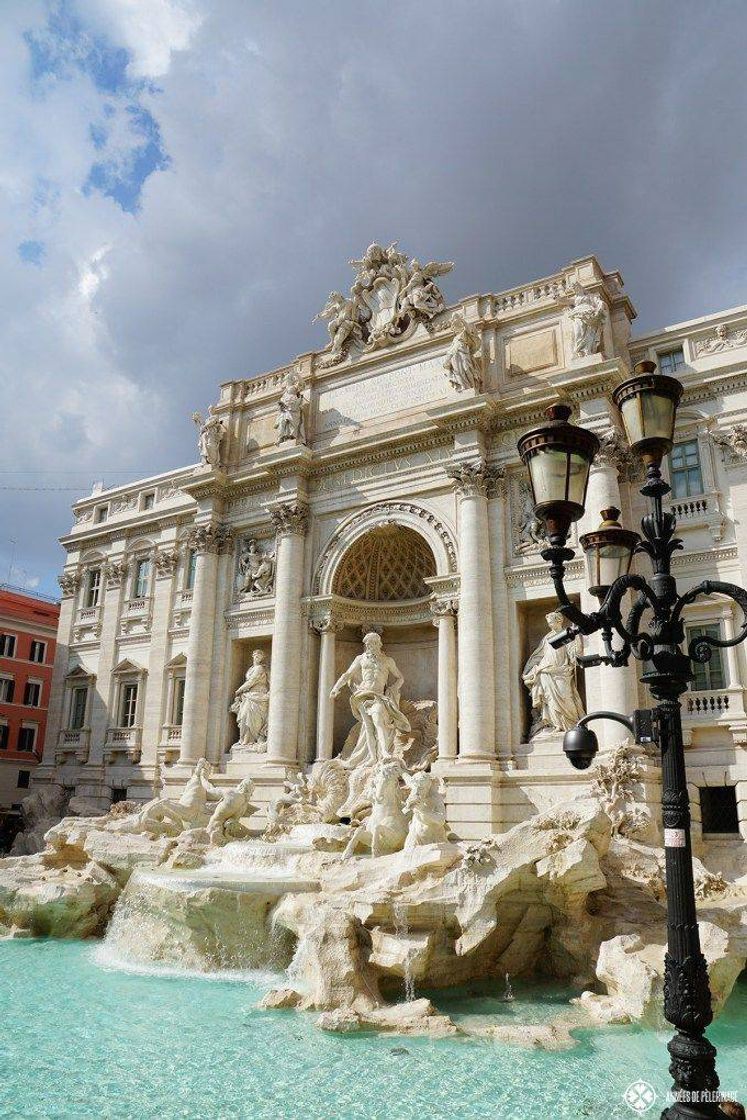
510 138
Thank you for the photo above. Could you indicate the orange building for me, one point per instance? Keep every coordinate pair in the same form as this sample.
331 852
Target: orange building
28 631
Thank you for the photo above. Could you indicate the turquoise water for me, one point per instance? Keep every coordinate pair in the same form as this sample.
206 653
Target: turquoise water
79 1041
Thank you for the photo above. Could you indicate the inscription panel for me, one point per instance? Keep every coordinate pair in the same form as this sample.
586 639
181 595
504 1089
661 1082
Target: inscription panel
382 394
529 353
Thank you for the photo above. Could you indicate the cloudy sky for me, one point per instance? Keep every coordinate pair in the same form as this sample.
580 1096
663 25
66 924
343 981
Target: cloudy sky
183 181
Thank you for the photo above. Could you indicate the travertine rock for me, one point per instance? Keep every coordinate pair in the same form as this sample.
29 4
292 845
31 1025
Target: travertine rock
60 902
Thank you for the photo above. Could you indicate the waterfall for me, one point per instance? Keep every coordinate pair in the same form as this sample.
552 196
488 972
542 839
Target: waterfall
402 929
508 995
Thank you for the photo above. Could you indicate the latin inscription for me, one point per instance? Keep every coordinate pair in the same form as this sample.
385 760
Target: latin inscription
382 394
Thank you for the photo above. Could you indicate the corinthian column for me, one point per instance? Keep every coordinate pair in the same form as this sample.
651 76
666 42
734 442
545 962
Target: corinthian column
325 709
444 619
208 541
290 522
476 655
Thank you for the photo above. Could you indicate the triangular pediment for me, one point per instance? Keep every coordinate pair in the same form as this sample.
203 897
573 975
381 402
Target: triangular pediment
79 673
127 666
177 662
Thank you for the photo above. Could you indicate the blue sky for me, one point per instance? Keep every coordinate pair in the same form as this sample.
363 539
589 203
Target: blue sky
182 182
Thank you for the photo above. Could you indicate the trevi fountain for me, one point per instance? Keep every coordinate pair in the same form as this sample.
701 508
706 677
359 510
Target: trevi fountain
348 872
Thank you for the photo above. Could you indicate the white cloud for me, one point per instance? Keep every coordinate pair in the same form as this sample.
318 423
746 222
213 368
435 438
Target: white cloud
152 30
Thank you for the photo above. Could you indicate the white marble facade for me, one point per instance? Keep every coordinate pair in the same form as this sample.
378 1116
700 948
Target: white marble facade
390 498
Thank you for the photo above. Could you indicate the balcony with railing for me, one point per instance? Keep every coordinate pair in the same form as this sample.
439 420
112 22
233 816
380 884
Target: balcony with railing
171 743
701 511
123 745
72 745
717 708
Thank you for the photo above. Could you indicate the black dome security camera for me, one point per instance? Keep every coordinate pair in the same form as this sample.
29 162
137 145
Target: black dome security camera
580 746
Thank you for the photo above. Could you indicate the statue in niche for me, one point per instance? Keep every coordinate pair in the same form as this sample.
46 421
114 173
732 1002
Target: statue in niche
375 703
531 527
289 423
587 319
164 817
550 676
212 432
251 704
462 361
256 570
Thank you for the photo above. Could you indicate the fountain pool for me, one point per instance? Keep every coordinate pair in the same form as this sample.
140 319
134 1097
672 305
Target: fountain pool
84 1040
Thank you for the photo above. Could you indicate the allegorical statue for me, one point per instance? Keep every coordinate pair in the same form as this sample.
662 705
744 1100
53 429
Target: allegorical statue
343 325
251 704
420 293
462 361
289 423
550 676
375 683
210 439
587 319
164 817
256 570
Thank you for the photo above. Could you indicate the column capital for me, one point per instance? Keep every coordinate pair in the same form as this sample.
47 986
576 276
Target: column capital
443 610
326 624
213 537
614 452
165 561
115 571
476 478
69 582
289 518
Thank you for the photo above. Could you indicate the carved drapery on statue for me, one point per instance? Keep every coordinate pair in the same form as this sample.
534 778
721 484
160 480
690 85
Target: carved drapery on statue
390 295
251 704
586 315
463 361
289 423
550 677
212 432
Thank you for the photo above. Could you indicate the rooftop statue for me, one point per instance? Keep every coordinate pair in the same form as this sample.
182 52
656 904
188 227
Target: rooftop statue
463 359
587 319
389 296
289 423
212 432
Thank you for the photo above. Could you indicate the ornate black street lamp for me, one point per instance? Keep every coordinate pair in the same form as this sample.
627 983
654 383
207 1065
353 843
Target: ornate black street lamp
558 457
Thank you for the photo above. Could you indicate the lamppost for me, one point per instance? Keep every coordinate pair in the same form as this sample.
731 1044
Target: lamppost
558 457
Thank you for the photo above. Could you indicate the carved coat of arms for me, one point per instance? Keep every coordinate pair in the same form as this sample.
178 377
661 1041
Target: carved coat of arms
389 296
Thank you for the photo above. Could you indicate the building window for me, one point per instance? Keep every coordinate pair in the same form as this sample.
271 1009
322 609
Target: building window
684 468
119 793
142 579
24 777
177 706
7 689
670 361
102 512
38 652
7 645
78 705
718 810
3 736
149 500
709 675
128 704
93 587
27 737
32 694
191 570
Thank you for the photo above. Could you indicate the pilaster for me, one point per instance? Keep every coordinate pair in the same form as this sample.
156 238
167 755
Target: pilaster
291 521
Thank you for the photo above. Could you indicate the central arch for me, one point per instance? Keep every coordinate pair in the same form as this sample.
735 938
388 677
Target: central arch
385 565
422 522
